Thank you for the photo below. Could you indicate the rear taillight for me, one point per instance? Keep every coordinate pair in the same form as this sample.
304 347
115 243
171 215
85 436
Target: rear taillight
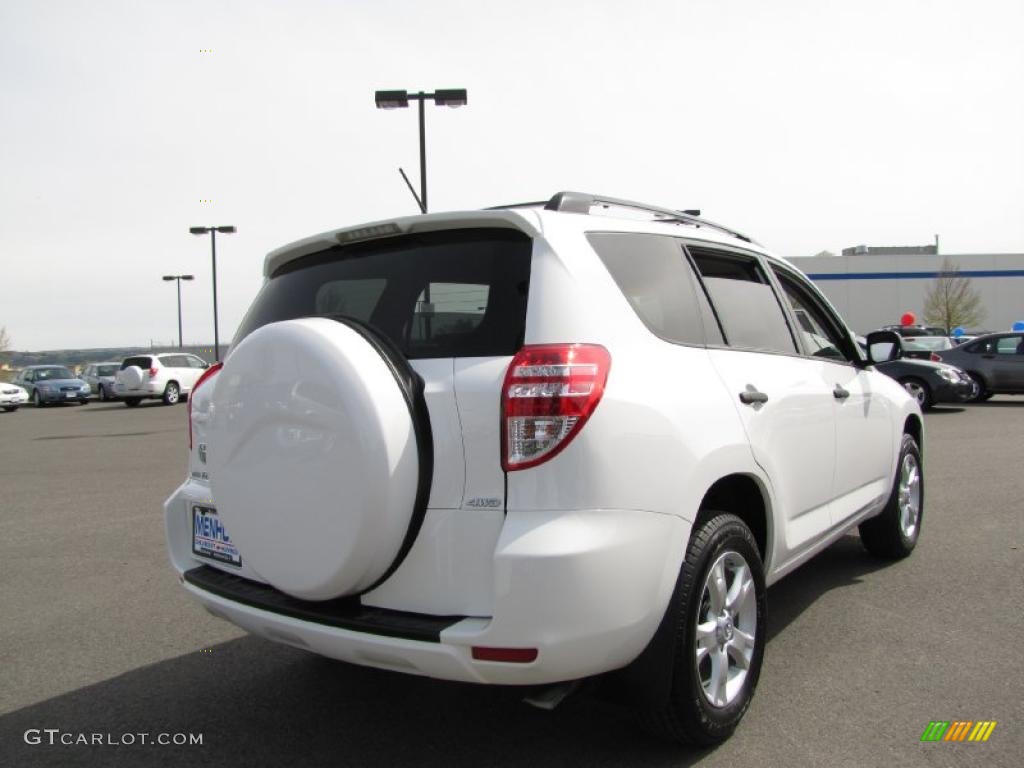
207 374
152 372
934 358
550 390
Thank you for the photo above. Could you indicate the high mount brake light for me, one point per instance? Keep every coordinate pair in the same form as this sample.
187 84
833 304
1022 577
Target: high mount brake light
207 374
549 392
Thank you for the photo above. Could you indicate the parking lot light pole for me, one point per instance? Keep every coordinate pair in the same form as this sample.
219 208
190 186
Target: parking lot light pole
178 279
213 250
449 97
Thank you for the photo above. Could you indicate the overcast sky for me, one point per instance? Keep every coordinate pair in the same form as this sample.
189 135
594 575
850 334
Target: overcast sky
809 124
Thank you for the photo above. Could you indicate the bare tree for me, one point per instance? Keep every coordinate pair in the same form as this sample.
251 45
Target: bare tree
952 299
5 340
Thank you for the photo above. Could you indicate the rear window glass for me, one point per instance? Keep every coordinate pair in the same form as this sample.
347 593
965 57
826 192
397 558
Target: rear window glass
654 276
106 370
141 362
750 313
459 293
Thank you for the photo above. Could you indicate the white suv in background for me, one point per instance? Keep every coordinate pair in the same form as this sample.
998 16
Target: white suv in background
159 377
537 444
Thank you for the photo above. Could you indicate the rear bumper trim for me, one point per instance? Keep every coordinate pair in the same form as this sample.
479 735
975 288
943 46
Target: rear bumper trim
345 612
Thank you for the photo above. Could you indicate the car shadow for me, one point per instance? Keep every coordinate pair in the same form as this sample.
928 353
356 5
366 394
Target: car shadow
943 410
115 406
999 404
843 564
259 703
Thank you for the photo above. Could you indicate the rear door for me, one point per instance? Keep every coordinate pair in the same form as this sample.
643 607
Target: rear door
781 396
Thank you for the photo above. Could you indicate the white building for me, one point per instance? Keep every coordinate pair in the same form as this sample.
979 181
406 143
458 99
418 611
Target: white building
872 287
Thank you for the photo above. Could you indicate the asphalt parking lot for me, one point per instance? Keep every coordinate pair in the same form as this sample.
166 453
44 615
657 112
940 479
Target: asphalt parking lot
97 637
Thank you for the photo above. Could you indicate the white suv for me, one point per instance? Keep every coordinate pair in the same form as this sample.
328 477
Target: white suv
159 377
537 444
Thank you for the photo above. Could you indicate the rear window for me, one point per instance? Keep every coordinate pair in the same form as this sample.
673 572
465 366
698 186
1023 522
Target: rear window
141 362
460 293
106 370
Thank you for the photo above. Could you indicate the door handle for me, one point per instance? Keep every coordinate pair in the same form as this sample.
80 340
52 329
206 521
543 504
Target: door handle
751 396
989 357
839 393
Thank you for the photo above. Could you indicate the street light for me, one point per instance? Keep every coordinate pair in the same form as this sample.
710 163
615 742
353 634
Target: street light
450 97
179 278
213 249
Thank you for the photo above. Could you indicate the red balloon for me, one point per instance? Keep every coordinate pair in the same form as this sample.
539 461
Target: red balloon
908 318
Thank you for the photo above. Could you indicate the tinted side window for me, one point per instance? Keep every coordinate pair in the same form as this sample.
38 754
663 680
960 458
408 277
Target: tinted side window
744 300
654 276
1007 345
457 293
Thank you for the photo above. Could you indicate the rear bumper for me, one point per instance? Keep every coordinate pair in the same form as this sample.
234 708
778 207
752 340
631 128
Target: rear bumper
149 389
587 589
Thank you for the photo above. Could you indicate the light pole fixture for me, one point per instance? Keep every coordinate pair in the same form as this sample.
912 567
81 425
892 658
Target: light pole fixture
449 97
213 249
179 278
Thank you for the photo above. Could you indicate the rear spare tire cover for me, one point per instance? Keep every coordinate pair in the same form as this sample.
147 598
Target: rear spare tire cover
131 377
314 459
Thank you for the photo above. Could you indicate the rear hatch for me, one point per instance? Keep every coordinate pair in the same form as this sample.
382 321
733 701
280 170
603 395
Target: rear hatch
454 303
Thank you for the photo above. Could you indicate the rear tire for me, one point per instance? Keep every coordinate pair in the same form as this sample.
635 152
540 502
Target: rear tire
172 393
721 591
131 402
893 534
103 394
10 408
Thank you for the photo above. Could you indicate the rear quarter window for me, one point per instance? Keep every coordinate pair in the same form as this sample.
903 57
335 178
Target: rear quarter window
456 293
653 274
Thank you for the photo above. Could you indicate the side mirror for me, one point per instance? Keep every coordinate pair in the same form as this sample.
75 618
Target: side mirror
884 346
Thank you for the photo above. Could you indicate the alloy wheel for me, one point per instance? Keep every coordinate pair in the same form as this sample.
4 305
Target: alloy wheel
909 495
726 629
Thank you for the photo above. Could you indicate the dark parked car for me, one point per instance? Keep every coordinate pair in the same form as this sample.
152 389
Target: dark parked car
995 362
47 384
929 382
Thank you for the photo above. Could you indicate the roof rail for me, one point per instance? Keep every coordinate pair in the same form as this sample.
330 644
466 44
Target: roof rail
582 202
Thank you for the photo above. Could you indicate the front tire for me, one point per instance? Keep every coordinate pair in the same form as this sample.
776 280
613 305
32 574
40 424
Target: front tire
37 401
719 644
10 408
920 391
172 394
981 392
103 394
132 402
893 534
